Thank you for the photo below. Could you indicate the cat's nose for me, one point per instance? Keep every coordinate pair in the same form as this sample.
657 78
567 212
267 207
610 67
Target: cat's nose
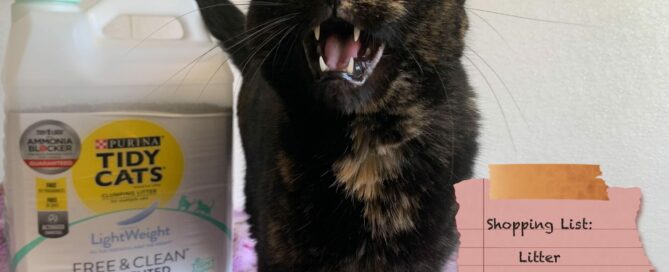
335 4
340 11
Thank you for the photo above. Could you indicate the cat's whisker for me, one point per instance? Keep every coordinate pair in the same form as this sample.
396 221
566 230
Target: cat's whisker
190 70
475 13
414 59
499 103
530 18
501 80
176 19
268 26
279 33
290 50
280 42
450 112
263 27
400 41
249 58
211 78
259 49
287 32
178 72
228 59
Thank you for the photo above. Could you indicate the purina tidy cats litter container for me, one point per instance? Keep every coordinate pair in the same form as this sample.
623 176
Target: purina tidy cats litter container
118 138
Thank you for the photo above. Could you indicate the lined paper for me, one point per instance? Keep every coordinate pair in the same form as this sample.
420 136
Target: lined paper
573 234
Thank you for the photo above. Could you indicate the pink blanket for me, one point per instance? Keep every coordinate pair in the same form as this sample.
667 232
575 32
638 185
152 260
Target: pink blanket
4 251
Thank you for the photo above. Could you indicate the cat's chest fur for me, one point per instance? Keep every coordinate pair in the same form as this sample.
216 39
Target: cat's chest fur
374 169
369 203
361 190
368 173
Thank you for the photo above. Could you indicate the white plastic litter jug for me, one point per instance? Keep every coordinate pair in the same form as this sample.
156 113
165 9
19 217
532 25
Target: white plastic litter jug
118 138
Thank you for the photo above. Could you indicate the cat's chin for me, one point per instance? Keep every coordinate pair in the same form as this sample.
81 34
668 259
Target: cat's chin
341 95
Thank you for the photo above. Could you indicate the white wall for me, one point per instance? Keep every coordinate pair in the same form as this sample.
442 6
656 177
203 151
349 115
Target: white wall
596 91
589 94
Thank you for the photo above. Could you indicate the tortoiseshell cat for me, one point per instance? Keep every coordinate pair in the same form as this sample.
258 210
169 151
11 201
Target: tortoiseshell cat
357 120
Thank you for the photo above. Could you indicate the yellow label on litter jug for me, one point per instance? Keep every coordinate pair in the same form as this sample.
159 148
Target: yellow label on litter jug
128 164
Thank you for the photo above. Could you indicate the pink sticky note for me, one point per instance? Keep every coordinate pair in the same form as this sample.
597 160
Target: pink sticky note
549 235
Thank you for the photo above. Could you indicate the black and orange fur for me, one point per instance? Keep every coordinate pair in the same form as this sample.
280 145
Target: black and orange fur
352 178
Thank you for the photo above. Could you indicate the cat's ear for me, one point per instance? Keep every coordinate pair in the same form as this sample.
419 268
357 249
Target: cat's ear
227 24
223 18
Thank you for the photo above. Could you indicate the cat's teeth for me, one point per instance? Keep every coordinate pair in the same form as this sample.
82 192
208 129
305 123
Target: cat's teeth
351 66
356 33
317 32
324 66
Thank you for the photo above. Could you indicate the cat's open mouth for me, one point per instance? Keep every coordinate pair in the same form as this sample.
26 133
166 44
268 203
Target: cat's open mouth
338 50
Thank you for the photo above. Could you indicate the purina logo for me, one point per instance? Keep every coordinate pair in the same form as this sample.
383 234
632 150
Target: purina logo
106 144
128 160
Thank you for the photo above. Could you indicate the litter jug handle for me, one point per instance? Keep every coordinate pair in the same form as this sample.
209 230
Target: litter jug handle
185 12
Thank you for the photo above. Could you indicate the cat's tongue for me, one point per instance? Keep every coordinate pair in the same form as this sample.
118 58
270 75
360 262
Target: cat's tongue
338 52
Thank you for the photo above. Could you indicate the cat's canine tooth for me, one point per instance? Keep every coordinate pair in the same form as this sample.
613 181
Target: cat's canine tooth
324 67
356 33
351 66
317 32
